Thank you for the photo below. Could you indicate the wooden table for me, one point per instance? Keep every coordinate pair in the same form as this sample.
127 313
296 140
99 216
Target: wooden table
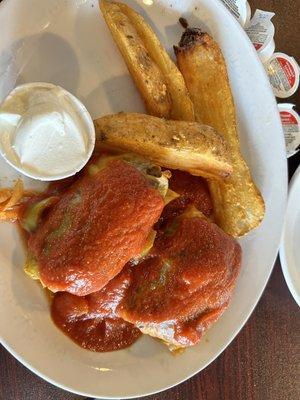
263 361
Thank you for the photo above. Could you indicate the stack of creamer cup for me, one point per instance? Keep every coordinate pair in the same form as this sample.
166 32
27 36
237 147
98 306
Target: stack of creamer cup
283 70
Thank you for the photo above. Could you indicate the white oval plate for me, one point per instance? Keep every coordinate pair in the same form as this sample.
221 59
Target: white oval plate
289 249
67 43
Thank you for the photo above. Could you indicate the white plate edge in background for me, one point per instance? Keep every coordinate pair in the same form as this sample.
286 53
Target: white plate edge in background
287 258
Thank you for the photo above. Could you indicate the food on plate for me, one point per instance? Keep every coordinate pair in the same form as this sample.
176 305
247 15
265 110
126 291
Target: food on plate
157 77
92 321
33 211
5 195
191 191
46 132
174 294
188 146
148 78
238 204
185 283
9 201
138 241
100 223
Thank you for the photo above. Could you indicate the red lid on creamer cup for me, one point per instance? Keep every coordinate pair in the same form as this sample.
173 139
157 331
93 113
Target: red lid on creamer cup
261 33
291 127
283 72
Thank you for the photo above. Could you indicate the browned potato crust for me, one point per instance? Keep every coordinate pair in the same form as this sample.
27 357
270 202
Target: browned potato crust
187 146
159 81
238 204
182 106
146 74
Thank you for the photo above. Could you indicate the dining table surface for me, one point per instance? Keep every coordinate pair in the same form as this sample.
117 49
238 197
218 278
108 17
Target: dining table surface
263 361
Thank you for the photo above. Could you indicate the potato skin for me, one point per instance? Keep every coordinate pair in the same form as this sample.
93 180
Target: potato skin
238 204
157 78
182 106
146 74
187 146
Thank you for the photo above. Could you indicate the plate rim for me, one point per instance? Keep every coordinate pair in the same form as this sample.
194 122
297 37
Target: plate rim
282 250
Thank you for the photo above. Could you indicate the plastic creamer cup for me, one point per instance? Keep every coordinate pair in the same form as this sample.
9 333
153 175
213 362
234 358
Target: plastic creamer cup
261 33
46 133
283 72
240 9
291 127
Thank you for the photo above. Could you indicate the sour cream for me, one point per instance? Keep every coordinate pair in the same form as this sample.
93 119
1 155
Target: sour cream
45 132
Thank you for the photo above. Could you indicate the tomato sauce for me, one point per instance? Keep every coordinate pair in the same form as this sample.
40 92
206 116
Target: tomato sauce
92 321
188 278
193 190
190 332
98 225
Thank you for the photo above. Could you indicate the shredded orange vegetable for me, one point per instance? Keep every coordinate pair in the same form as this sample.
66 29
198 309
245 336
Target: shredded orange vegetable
9 215
9 199
5 194
18 191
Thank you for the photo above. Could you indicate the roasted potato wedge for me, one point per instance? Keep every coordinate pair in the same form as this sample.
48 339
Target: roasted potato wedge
158 79
238 204
182 106
187 146
147 76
